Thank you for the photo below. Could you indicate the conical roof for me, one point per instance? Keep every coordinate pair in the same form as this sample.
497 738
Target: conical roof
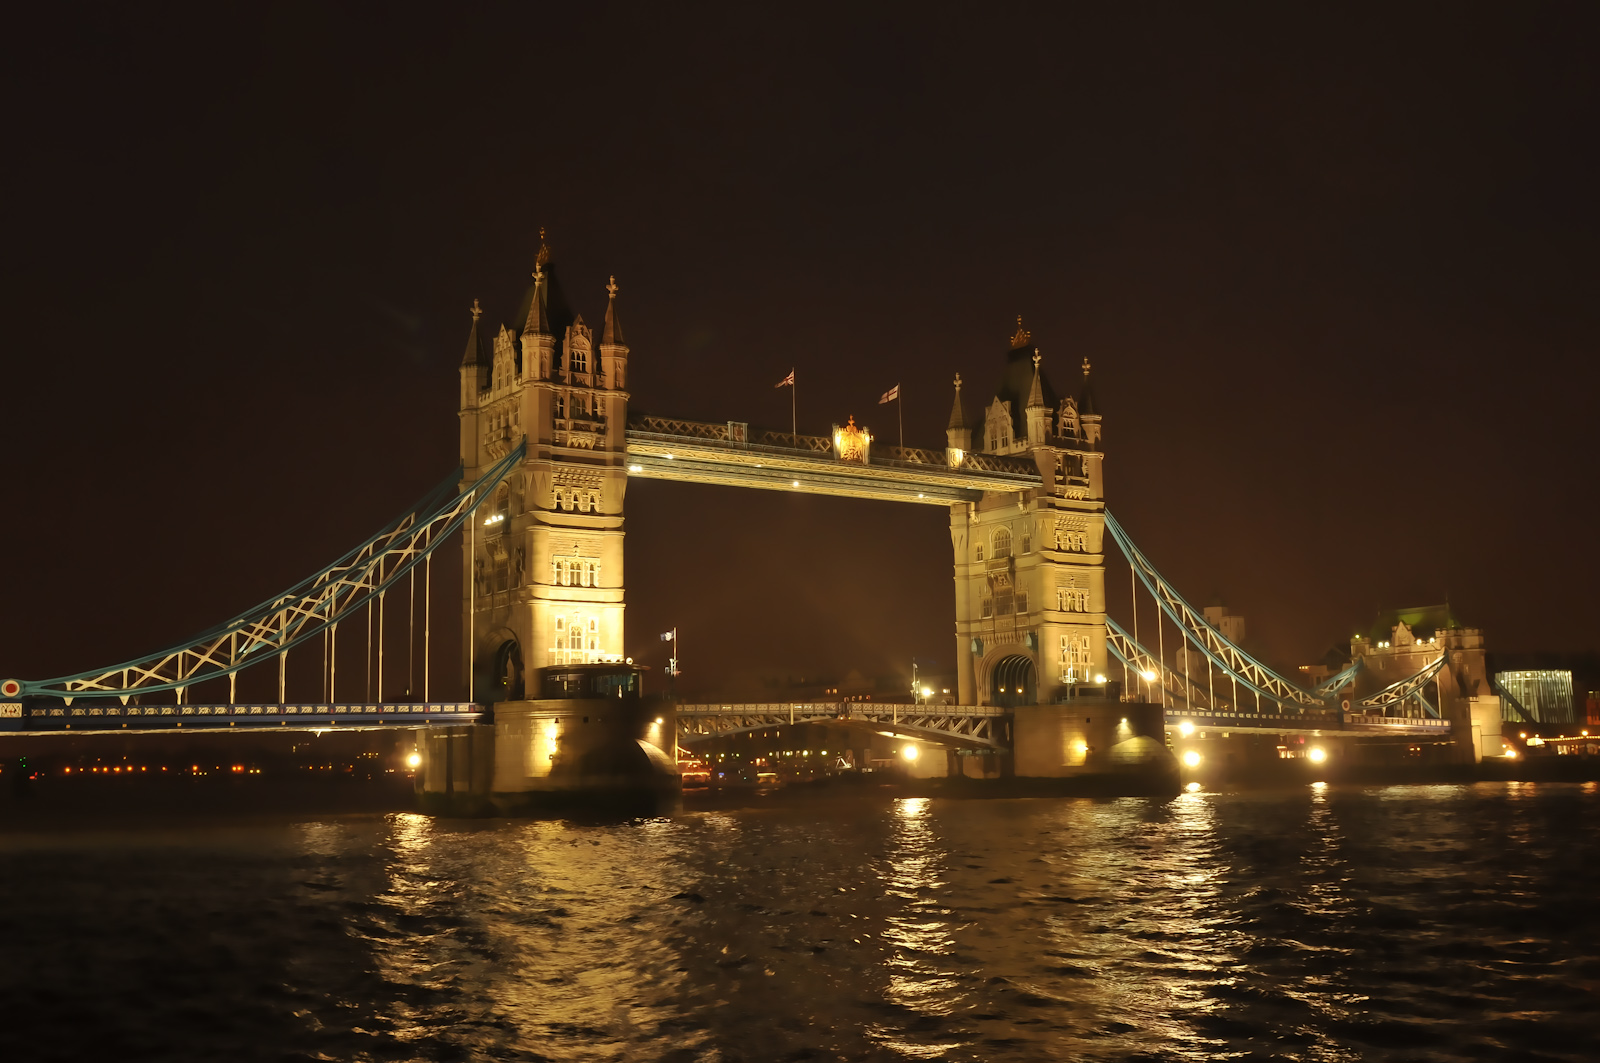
958 417
477 353
612 334
1087 407
1035 393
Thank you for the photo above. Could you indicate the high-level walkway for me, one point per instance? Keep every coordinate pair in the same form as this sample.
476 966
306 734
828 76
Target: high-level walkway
732 455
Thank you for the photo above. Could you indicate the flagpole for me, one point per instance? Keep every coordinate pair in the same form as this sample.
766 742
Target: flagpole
794 422
899 414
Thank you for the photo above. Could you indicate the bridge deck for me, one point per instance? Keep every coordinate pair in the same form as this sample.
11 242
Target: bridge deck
90 718
958 726
717 454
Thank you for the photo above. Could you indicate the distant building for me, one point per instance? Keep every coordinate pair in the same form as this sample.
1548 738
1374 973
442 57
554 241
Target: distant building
1230 624
1549 688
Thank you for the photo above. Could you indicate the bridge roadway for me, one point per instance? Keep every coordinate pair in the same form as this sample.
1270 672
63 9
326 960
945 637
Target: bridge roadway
733 455
18 718
957 726
989 727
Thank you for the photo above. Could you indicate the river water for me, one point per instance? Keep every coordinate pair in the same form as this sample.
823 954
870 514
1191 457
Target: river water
1407 922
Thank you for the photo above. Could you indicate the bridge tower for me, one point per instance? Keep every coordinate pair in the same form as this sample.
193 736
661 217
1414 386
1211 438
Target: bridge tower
543 582
1030 567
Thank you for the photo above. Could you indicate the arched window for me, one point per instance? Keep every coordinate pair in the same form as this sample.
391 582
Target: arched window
1001 543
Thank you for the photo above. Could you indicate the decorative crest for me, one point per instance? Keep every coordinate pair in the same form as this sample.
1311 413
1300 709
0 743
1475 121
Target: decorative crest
1021 336
1035 361
958 381
1086 365
477 311
612 286
850 442
544 251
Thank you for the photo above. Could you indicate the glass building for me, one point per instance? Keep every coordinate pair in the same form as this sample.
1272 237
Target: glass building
1545 694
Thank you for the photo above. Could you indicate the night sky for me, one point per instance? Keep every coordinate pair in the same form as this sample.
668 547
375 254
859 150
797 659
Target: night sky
1336 273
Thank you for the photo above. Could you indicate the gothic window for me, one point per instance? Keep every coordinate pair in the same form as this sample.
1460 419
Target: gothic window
580 359
1022 601
1002 543
1027 543
594 501
980 551
1075 660
1003 603
561 405
594 635
988 608
1072 600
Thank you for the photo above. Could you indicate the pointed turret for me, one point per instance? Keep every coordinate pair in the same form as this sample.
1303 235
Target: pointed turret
538 321
477 353
958 437
613 350
612 335
538 338
475 365
1088 409
1038 414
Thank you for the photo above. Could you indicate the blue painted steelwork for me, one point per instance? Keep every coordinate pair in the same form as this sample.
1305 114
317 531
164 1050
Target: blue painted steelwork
1248 671
1511 699
1403 690
298 614
95 717
1335 683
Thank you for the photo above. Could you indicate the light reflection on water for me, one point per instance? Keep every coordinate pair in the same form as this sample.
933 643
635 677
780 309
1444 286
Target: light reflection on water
1437 923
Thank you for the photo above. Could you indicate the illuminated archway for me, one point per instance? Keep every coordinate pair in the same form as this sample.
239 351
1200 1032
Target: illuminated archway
1014 681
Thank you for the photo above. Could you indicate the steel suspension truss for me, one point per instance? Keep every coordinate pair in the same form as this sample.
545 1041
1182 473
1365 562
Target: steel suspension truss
1245 669
1238 666
1331 686
1410 688
300 613
1145 664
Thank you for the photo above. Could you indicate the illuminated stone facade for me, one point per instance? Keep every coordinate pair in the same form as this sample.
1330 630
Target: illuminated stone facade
1029 568
544 576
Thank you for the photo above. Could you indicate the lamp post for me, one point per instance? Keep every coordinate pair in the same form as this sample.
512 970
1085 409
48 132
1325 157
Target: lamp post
672 662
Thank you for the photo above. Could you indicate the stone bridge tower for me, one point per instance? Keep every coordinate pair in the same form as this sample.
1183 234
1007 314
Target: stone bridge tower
543 582
1030 568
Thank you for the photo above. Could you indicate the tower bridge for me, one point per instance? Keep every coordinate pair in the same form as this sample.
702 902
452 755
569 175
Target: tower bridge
547 446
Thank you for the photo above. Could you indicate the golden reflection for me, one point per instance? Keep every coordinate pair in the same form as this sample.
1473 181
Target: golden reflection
919 934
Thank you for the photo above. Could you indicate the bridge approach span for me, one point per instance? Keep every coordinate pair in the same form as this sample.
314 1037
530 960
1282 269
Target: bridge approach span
955 726
100 718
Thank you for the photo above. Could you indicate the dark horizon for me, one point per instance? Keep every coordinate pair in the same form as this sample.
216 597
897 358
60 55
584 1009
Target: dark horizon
1335 273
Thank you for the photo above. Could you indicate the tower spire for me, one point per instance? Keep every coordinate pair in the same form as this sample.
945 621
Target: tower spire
538 323
612 334
475 354
958 417
1035 393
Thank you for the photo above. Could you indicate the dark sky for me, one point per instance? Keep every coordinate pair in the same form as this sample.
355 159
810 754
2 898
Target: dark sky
1335 270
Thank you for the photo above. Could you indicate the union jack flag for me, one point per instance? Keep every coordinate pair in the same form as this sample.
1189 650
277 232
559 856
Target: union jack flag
786 382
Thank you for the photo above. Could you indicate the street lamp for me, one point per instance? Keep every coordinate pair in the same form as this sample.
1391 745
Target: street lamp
673 671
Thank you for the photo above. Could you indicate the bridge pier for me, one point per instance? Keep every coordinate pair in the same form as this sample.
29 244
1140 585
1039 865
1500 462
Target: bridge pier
589 755
1094 737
